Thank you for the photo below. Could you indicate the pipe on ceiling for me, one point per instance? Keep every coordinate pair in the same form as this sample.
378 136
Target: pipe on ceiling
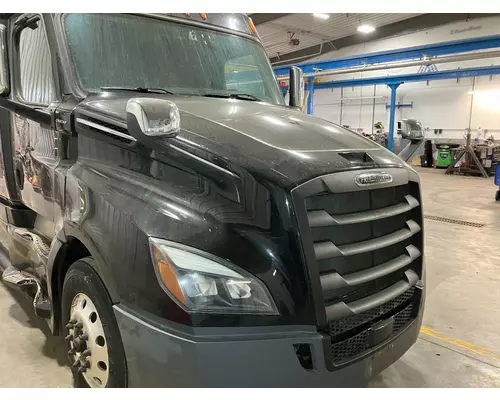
429 61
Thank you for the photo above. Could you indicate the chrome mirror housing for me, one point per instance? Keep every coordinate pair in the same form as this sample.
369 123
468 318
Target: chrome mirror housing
153 117
296 88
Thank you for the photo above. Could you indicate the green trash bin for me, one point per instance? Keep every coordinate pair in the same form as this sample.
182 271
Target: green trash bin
443 159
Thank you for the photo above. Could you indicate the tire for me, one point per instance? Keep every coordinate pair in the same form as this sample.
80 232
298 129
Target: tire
81 281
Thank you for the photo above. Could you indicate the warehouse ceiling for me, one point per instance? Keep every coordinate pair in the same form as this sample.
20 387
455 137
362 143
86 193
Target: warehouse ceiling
298 37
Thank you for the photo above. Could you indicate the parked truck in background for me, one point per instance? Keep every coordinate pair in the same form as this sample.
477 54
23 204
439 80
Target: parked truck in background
180 225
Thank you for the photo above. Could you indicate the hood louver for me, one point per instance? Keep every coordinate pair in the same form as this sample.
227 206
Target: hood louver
113 131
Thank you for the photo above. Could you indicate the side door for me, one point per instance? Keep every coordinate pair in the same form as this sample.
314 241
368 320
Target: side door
34 97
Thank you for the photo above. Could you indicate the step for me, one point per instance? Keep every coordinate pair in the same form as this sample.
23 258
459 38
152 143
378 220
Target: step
39 244
30 286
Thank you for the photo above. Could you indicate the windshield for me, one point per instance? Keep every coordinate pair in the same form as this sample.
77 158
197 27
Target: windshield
137 51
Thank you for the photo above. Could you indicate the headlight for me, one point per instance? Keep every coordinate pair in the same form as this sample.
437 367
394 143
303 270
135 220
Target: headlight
199 281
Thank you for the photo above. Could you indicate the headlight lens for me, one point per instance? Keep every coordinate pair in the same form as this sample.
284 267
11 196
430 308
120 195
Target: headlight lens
201 282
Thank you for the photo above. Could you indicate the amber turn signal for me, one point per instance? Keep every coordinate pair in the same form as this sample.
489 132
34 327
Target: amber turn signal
168 275
251 25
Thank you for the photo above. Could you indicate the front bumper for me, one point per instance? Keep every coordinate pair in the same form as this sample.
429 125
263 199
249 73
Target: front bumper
166 356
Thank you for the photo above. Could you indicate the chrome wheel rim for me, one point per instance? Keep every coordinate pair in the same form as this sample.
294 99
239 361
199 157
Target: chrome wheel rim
88 344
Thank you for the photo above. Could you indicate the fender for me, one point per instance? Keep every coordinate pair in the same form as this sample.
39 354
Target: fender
56 258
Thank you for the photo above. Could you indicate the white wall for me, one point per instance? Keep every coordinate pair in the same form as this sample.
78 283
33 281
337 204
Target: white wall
355 112
444 104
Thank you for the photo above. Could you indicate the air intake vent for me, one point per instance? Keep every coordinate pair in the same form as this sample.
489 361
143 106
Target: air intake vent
359 157
113 131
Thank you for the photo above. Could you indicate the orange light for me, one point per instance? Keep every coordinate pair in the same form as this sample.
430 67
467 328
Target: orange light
203 16
187 14
168 276
251 25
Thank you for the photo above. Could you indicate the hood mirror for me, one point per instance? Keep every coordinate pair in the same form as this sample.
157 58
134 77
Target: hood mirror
4 64
296 88
153 117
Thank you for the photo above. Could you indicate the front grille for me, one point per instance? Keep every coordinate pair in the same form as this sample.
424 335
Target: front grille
365 246
344 325
345 350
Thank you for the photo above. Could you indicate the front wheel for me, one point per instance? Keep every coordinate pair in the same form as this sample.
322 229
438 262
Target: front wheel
95 348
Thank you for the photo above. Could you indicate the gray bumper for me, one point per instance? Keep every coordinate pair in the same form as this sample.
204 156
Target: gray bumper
159 356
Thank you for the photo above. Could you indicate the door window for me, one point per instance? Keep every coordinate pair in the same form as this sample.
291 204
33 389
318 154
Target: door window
36 78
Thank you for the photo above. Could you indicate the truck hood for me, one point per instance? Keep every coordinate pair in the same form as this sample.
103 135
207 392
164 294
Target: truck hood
276 141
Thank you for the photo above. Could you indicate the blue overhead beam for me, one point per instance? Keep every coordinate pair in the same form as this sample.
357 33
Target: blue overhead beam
398 79
437 49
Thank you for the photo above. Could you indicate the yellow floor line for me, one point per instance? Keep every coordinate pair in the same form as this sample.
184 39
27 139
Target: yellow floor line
460 343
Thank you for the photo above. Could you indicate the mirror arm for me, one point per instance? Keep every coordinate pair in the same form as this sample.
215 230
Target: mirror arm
27 20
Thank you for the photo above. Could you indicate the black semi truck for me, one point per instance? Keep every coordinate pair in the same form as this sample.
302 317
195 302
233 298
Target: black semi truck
180 225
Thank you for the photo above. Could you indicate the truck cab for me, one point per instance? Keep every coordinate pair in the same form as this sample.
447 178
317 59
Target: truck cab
180 225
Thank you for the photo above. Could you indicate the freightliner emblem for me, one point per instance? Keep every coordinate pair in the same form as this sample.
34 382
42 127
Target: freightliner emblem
372 178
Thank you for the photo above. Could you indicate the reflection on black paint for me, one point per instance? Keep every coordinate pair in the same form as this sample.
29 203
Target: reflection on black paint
34 162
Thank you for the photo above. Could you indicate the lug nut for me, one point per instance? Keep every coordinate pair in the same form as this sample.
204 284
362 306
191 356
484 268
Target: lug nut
86 363
84 336
71 323
68 337
81 370
79 325
86 353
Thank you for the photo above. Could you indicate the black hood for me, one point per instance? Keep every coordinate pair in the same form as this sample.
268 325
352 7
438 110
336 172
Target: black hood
278 142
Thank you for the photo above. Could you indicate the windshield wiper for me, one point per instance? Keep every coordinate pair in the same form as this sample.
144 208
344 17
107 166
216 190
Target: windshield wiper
137 89
240 96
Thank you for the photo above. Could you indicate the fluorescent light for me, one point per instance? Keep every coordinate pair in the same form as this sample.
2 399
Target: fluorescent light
365 28
321 16
486 92
487 99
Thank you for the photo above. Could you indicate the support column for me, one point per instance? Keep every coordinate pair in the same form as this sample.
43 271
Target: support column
310 99
392 115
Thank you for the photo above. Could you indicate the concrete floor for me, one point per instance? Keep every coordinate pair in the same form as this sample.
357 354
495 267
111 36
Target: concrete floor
459 345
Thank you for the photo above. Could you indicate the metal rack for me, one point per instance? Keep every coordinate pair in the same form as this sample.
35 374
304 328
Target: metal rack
476 164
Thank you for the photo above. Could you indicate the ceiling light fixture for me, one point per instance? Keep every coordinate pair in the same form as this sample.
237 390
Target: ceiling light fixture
321 16
486 92
365 28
